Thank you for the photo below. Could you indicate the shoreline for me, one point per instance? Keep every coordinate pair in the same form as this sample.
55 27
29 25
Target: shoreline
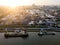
2 31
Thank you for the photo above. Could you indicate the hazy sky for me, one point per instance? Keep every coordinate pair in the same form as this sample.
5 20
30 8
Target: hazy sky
29 2
48 2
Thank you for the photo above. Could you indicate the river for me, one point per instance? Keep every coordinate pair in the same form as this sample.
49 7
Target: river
33 39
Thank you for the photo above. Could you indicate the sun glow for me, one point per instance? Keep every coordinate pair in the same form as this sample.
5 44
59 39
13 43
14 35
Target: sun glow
13 3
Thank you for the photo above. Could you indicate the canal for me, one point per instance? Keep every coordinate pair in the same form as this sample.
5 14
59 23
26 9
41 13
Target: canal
33 39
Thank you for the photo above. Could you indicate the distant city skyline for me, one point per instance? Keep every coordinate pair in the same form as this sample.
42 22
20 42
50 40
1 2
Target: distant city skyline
47 2
28 2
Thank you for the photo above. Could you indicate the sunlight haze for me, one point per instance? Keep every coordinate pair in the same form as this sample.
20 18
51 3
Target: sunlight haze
13 3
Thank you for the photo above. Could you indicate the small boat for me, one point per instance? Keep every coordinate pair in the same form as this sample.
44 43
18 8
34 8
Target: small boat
45 33
16 34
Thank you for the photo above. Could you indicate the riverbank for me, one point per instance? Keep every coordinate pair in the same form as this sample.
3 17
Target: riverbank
2 31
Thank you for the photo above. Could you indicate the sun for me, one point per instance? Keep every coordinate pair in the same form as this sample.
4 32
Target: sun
13 3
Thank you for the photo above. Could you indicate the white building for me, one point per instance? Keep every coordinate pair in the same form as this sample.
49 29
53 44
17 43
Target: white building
31 22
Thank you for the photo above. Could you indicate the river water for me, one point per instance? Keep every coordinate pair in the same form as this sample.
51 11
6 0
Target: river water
33 39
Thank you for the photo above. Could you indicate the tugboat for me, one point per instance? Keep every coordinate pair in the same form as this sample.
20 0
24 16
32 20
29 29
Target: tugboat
16 33
41 33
